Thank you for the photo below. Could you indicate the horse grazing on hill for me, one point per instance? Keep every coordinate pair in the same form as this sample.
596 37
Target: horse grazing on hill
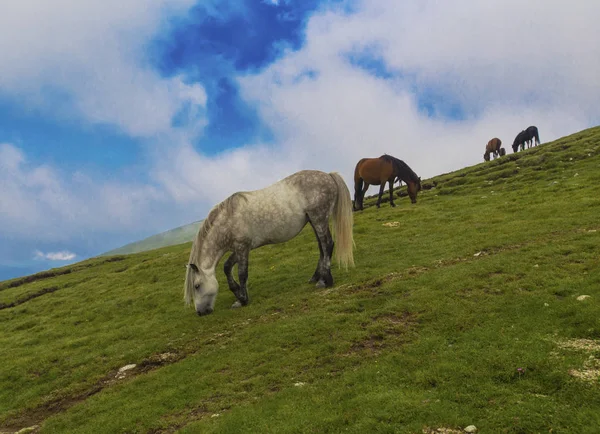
532 136
494 147
248 220
526 137
519 142
378 171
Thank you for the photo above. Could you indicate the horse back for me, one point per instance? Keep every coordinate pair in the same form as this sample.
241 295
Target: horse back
374 171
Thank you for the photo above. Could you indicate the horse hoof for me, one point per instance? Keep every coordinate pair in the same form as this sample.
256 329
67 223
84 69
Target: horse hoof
321 284
236 305
393 205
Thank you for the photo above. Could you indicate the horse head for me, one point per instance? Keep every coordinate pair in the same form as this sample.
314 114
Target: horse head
413 187
201 287
486 156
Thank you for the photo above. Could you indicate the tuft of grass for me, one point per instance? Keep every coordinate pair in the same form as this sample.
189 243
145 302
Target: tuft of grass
462 309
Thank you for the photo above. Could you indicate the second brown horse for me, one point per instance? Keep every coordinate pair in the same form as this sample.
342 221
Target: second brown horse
378 171
493 147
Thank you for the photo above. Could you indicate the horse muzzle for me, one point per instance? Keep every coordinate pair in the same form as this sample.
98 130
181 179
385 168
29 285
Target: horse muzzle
204 312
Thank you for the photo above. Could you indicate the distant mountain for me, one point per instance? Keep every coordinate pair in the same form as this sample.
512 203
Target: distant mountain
180 235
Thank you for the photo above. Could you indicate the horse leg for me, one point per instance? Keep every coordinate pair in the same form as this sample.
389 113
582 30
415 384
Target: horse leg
358 186
381 188
228 268
320 225
317 275
392 193
242 261
362 195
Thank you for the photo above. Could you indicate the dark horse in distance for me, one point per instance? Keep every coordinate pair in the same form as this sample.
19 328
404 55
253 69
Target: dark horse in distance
526 137
378 171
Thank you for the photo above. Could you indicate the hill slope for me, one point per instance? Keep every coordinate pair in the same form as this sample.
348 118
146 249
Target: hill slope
180 235
466 308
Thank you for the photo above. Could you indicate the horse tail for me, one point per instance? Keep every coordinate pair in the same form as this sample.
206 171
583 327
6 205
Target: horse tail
537 137
343 221
357 170
358 181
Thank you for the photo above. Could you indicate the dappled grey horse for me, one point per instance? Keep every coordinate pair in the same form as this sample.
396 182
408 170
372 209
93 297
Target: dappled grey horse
275 214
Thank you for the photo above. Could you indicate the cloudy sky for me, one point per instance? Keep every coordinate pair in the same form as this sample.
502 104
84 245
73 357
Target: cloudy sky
122 119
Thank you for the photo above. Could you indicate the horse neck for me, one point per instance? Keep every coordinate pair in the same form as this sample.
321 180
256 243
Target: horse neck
406 176
210 247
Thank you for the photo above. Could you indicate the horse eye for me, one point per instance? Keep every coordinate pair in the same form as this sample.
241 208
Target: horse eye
197 286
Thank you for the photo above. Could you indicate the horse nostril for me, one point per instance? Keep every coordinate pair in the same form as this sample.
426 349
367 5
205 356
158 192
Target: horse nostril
204 312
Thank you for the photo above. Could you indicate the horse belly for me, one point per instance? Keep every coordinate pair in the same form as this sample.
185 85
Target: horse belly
274 231
279 217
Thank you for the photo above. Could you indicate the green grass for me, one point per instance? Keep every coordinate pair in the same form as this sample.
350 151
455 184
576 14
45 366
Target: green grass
453 317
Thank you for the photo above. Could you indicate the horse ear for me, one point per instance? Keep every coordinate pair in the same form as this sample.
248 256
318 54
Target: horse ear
193 267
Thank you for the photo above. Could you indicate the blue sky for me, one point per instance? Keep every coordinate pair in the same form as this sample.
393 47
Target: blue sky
118 121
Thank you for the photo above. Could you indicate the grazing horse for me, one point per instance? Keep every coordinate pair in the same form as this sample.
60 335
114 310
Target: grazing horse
531 135
275 214
519 141
493 147
526 137
378 171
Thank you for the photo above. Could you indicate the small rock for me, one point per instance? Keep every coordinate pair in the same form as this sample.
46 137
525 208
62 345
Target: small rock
536 266
122 371
546 305
471 428
127 367
478 254
28 429
299 384
583 297
577 174
215 415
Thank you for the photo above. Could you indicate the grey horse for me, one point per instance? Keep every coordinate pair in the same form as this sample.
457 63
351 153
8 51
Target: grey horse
275 214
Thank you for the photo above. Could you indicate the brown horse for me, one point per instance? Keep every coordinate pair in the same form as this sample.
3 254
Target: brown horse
378 171
493 147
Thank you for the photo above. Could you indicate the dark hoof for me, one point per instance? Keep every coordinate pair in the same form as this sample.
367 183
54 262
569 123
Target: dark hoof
392 205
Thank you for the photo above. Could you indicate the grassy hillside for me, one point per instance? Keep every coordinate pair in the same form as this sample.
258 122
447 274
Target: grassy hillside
180 235
464 309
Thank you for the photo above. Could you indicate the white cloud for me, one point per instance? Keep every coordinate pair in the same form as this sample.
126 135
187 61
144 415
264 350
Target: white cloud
65 255
87 58
507 64
44 203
